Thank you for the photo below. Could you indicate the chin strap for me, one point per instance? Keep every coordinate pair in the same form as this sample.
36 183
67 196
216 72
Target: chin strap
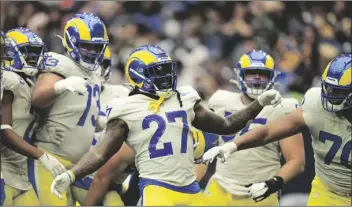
155 105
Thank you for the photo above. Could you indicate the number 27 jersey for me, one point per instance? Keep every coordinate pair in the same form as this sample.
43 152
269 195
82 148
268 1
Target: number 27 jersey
162 141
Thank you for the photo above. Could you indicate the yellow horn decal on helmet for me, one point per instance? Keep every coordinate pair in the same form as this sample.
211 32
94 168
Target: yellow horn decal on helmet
269 63
325 73
245 61
107 53
155 105
18 37
346 78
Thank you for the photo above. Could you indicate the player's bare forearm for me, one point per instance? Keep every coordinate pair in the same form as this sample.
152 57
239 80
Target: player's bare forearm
17 144
200 170
97 191
286 126
9 137
292 148
102 180
44 94
114 136
211 122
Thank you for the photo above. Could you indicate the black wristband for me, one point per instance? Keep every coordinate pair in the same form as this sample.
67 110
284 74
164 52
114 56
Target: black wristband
275 184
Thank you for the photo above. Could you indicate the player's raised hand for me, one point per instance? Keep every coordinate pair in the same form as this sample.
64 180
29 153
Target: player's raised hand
270 97
74 84
61 183
223 152
52 164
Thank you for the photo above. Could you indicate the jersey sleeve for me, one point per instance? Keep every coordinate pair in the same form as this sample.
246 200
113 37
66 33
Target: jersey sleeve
311 104
189 96
218 99
59 64
288 105
11 81
122 108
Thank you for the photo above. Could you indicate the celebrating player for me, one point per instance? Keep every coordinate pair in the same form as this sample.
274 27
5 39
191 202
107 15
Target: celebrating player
256 74
25 56
155 120
66 96
327 113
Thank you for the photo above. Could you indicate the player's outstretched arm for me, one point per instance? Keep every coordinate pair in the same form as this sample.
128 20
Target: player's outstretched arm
105 175
292 149
19 145
209 121
286 126
114 135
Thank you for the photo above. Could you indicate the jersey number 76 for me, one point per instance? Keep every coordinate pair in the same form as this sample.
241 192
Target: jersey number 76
337 142
167 148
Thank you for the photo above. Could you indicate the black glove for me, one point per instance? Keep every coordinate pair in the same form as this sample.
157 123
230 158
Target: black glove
260 191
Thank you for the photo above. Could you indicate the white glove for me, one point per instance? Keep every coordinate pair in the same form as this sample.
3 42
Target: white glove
52 164
258 190
270 97
61 183
222 152
74 84
262 190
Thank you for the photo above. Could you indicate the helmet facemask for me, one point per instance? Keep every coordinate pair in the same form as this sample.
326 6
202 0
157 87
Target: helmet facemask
335 98
255 81
160 77
91 55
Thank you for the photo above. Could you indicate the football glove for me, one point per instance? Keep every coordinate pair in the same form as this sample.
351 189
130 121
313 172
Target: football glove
260 191
270 97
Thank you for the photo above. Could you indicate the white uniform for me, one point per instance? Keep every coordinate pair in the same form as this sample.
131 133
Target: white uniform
251 165
13 164
67 127
331 141
162 141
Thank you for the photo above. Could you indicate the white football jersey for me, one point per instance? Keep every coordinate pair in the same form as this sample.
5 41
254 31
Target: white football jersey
162 141
13 164
251 165
67 127
331 141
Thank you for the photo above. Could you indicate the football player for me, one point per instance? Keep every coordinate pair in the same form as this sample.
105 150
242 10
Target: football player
25 56
327 113
256 74
108 92
66 97
155 120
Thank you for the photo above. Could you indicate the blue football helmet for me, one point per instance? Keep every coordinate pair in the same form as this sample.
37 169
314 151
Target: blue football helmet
27 51
151 69
253 62
85 40
336 85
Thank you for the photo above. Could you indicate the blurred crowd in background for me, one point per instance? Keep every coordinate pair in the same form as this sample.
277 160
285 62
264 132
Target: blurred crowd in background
208 38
